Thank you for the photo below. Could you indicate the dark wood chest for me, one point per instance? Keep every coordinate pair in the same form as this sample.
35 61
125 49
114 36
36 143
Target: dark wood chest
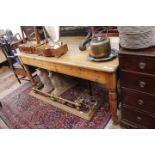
137 79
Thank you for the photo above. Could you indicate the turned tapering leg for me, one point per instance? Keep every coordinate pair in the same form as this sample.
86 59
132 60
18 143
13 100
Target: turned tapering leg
112 87
113 105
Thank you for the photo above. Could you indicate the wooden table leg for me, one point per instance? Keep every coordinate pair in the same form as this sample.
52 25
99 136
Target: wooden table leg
113 105
29 75
112 87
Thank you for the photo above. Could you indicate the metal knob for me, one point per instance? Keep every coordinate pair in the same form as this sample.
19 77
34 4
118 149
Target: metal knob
138 118
140 102
142 65
142 84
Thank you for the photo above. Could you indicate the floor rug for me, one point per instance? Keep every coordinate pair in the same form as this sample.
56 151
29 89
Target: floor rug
7 79
22 111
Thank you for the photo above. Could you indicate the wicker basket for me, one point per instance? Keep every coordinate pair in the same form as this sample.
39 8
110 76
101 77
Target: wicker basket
137 37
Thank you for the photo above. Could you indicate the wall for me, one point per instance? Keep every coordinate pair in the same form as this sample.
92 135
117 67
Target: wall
15 29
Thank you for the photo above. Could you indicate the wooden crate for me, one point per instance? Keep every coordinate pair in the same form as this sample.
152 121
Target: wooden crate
49 51
29 47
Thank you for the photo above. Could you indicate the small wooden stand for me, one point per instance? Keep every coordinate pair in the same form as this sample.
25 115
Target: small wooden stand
55 101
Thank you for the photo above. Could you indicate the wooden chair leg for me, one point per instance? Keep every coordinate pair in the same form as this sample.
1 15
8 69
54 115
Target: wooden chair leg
0 104
17 77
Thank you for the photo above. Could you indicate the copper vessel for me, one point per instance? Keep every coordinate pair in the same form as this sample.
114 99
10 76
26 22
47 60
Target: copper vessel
100 47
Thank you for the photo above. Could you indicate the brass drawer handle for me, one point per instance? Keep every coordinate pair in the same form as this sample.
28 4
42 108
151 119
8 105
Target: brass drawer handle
138 118
142 84
140 102
142 65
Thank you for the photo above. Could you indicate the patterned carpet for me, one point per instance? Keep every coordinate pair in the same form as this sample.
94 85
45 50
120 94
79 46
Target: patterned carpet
20 111
7 80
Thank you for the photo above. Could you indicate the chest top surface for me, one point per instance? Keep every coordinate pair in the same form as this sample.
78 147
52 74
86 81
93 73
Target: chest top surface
140 52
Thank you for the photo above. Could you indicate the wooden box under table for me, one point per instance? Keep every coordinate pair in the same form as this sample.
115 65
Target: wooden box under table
137 79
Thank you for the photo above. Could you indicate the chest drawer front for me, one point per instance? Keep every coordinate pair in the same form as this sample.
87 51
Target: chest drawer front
137 63
142 101
139 82
141 119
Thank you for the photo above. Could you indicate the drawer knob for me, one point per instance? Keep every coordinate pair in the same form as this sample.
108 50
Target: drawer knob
142 84
142 65
138 118
140 102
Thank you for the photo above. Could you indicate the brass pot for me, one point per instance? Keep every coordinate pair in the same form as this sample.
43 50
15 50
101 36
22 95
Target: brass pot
100 47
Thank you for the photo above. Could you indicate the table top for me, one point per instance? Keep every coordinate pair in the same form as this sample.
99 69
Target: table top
77 58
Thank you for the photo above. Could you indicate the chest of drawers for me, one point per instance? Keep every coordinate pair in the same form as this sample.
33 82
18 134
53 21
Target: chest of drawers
137 80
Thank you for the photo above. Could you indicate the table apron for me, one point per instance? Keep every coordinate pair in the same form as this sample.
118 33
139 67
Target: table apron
106 78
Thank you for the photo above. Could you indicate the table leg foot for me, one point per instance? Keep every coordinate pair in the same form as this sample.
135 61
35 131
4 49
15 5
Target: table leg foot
113 106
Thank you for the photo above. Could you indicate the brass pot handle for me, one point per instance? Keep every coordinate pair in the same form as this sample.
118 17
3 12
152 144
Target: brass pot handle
142 65
142 84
